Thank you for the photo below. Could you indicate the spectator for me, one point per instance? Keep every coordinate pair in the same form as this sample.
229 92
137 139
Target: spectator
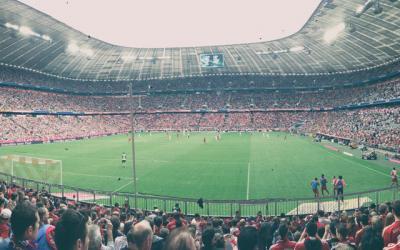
371 239
389 219
248 238
142 236
71 231
265 236
309 239
5 216
45 236
342 234
364 223
208 239
121 241
24 225
391 232
95 239
283 243
180 239
130 240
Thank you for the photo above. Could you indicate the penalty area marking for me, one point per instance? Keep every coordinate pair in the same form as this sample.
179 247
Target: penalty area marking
353 162
95 175
248 181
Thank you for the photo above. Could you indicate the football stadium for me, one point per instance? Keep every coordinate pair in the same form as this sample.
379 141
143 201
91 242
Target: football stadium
221 125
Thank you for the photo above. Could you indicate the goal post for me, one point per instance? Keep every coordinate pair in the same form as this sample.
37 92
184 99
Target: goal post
33 168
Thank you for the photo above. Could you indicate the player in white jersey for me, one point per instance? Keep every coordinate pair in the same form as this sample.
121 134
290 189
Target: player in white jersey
393 174
123 160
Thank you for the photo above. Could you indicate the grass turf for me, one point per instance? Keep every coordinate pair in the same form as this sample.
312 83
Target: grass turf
240 166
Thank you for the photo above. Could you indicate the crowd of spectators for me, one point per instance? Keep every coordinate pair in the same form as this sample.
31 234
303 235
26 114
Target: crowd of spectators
34 219
251 80
377 127
23 128
15 99
12 99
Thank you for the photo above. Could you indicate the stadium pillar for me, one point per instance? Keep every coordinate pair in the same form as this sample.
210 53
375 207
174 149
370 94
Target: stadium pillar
133 143
186 208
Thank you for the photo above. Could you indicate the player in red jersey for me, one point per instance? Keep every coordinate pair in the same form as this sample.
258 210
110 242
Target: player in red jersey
393 174
334 180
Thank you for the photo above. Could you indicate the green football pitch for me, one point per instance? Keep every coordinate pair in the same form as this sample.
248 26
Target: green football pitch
239 166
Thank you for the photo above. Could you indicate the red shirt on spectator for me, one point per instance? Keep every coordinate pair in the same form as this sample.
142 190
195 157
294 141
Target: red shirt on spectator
300 245
4 230
172 224
359 234
283 245
390 233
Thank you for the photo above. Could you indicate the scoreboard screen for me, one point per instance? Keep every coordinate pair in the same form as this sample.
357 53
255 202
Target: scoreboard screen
212 60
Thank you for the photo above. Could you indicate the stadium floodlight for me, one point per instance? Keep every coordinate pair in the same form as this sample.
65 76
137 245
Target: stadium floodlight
46 38
87 52
359 10
12 26
128 58
27 31
280 51
297 49
73 48
331 34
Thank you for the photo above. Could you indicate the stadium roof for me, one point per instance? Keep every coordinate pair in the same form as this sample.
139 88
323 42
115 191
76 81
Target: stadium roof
340 37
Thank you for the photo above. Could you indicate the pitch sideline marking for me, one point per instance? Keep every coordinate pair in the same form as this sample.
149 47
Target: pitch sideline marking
248 181
347 153
116 190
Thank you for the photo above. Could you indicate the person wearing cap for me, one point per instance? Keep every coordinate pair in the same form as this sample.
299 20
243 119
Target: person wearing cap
5 216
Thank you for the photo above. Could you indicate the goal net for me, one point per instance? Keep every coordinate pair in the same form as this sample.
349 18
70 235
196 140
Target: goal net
32 168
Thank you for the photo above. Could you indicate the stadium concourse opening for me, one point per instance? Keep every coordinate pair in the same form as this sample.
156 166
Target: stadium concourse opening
288 141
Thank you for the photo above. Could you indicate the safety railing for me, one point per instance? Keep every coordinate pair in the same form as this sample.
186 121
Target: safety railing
268 207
